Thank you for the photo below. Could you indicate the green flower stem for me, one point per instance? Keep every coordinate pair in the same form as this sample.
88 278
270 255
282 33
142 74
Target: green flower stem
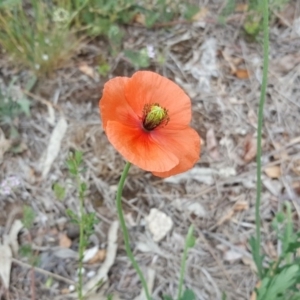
125 231
260 125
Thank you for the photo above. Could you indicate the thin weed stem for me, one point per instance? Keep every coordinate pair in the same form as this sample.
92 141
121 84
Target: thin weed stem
81 238
289 231
259 128
187 245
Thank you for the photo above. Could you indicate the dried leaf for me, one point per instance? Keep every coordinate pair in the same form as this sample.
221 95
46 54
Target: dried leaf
143 247
4 145
212 144
272 185
253 295
285 63
8 247
130 222
64 241
98 257
65 291
223 248
140 18
273 171
92 285
13 236
238 206
150 284
296 26
103 296
20 148
189 206
287 15
296 187
5 263
53 146
87 70
242 74
51 113
204 67
248 261
241 7
252 118
205 175
270 250
232 256
159 224
227 216
90 253
281 154
200 15
241 205
148 245
227 172
229 60
296 167
237 61
250 148
65 253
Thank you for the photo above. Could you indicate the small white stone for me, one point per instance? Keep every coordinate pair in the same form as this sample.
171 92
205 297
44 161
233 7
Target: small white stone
227 172
72 288
232 256
113 188
91 274
159 224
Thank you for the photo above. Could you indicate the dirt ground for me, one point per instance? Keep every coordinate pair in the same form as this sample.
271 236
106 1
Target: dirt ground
220 69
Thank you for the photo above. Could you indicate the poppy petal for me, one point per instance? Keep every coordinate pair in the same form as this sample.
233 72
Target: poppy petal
186 146
146 87
139 148
113 105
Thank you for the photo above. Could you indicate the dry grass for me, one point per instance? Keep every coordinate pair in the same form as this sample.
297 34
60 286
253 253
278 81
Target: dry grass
201 60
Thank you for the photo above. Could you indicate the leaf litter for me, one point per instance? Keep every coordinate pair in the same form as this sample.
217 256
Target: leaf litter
8 248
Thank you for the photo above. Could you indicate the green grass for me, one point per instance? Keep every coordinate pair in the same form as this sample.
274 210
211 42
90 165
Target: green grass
33 38
43 35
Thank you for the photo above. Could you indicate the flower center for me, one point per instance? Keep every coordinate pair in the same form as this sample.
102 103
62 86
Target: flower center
154 115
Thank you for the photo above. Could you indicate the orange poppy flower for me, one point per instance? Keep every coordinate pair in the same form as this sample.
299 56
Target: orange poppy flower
146 118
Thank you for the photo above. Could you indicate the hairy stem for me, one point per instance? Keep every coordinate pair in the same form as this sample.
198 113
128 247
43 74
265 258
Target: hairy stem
125 231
